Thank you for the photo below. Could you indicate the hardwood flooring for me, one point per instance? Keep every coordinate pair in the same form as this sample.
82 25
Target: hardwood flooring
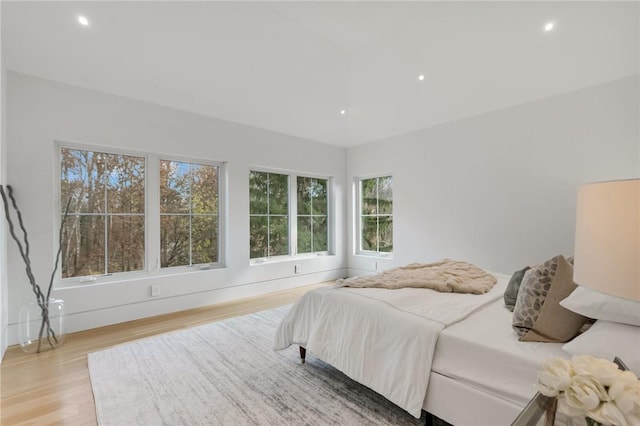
53 388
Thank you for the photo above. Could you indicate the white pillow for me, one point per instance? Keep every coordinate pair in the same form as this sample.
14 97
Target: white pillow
593 304
609 340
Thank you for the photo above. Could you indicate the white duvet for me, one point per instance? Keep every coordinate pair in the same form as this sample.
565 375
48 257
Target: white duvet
384 339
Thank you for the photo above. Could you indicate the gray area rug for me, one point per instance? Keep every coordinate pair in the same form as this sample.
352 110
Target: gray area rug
226 373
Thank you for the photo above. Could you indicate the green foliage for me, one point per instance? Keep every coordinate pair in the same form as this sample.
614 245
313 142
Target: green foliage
268 214
188 213
376 214
312 215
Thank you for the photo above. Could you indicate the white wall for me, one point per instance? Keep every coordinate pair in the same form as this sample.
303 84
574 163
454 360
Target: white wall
3 262
41 111
499 189
496 189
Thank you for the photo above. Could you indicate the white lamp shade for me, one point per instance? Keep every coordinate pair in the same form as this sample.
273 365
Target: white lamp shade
607 246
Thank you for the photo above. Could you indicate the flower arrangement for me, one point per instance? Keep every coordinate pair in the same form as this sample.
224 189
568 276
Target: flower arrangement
592 388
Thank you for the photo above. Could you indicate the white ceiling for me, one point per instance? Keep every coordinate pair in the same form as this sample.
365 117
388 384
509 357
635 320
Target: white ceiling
292 66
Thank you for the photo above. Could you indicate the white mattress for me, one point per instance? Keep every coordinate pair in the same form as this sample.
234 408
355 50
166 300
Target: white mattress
483 351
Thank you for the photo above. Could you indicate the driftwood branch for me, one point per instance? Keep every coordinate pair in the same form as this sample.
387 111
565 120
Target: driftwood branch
60 232
42 299
21 249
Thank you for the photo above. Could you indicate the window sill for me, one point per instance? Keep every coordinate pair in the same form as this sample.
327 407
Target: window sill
284 259
376 255
124 277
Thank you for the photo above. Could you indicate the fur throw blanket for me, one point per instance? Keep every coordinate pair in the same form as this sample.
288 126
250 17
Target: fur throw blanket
449 276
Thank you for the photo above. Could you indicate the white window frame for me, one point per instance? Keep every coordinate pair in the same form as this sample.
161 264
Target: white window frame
357 191
293 216
329 215
152 215
221 208
290 227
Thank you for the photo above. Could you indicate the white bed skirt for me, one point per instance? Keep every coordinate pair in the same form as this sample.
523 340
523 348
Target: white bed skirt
461 404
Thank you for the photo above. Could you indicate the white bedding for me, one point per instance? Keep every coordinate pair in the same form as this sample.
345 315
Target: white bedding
384 339
484 352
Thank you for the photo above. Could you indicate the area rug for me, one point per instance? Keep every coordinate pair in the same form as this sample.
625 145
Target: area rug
226 373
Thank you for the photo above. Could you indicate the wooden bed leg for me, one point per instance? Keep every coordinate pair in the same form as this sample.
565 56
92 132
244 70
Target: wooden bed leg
429 419
303 353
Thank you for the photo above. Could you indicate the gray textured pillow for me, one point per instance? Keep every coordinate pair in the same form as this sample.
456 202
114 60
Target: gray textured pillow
533 291
554 322
511 293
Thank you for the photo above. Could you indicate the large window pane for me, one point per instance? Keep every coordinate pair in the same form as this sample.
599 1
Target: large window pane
189 213
258 193
376 220
385 195
82 181
370 233
126 243
385 232
204 189
125 184
83 248
278 194
175 182
174 241
320 232
101 187
259 237
269 209
319 196
304 191
278 236
204 243
304 234
312 214
369 199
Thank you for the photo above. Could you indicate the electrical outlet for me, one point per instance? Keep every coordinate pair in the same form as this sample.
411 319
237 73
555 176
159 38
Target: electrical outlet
155 290
296 268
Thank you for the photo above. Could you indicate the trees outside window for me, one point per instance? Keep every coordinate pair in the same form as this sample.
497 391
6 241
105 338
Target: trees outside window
268 214
105 230
189 213
113 227
312 221
376 214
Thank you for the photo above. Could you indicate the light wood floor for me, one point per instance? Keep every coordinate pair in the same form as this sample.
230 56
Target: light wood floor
53 387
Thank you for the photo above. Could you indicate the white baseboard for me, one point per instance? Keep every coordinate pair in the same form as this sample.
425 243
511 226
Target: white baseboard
80 321
355 272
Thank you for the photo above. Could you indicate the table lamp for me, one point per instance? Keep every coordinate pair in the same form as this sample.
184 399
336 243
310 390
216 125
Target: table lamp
607 244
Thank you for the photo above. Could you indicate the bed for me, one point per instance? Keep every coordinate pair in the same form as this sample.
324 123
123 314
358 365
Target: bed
422 349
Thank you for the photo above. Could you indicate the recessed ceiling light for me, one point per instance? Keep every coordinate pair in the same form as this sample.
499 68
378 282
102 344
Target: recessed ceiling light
83 21
549 26
421 77
343 111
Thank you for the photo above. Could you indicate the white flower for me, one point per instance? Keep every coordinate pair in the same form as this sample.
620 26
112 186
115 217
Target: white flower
625 392
554 377
606 372
633 418
594 388
608 413
568 410
585 392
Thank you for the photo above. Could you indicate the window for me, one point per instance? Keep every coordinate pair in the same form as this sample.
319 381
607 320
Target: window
268 214
312 215
105 230
271 199
133 212
189 222
376 214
